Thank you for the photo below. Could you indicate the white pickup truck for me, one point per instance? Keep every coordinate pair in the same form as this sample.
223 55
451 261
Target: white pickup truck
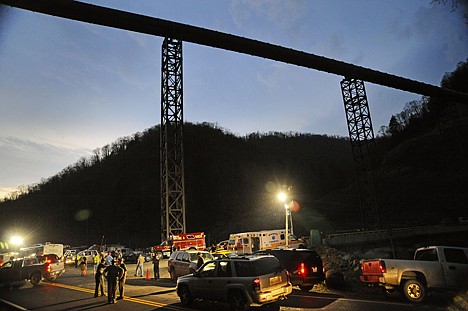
433 268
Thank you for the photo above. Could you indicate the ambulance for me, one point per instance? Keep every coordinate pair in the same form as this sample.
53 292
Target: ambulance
249 242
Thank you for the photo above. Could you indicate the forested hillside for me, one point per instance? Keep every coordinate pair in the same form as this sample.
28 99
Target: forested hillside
231 182
231 185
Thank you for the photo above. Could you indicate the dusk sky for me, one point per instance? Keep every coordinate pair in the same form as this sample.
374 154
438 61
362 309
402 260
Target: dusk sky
68 87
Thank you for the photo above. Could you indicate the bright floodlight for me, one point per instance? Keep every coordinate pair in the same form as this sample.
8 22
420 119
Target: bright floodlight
282 196
16 240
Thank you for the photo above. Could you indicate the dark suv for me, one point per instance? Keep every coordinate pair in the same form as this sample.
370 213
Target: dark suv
304 265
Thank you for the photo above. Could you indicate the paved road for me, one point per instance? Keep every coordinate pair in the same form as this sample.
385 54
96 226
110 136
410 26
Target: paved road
74 292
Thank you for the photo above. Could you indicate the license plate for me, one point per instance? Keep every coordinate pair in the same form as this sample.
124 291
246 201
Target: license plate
314 269
275 280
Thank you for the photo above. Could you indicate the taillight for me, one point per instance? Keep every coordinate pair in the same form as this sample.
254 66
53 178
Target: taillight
382 267
256 285
48 268
302 268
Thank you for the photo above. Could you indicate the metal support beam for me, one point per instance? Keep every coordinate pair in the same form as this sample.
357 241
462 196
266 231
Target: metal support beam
363 147
172 153
158 27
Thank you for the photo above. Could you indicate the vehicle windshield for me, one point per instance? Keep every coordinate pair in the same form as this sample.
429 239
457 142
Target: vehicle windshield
205 256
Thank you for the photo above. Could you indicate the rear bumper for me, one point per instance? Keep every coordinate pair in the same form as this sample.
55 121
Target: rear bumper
263 298
311 280
369 278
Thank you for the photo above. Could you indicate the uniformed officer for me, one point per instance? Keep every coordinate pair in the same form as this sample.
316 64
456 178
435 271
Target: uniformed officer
99 277
113 274
122 279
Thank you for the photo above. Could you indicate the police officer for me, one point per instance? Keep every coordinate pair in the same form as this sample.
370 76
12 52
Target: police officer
113 274
99 277
122 279
156 266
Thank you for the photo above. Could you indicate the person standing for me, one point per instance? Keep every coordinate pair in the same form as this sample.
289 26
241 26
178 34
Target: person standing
139 267
84 266
109 259
99 277
156 266
122 279
113 274
199 261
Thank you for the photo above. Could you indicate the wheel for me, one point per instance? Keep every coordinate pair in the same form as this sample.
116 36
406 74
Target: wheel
238 302
173 274
36 278
414 291
185 297
305 288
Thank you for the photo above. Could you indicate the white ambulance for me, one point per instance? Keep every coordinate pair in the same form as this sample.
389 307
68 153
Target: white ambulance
249 242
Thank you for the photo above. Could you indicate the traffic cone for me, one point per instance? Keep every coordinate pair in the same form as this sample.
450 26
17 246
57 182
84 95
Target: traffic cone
147 275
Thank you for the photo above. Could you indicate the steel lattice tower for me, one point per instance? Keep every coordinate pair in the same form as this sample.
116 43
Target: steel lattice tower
363 147
172 155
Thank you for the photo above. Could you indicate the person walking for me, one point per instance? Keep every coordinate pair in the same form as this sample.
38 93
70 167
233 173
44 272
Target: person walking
122 279
139 267
99 277
113 274
156 266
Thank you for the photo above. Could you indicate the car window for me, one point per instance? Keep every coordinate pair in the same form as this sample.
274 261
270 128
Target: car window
427 255
224 269
455 255
179 256
185 257
193 257
208 269
173 255
7 264
258 267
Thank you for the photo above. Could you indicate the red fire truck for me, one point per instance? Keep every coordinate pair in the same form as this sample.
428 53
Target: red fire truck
185 241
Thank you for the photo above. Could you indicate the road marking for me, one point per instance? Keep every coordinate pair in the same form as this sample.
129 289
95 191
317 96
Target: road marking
127 298
13 305
358 300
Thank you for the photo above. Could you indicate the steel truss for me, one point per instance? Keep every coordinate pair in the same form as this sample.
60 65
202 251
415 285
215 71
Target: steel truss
363 147
171 149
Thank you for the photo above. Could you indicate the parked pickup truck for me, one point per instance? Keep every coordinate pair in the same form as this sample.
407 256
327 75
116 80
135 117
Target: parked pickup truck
433 268
34 269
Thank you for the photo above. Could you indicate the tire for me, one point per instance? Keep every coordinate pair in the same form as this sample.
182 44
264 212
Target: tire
185 296
305 288
35 278
391 293
173 274
414 291
238 302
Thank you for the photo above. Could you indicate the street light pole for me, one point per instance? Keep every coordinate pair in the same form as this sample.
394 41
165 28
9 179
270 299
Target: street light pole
287 225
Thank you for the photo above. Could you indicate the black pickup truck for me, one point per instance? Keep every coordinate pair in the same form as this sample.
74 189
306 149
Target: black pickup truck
16 272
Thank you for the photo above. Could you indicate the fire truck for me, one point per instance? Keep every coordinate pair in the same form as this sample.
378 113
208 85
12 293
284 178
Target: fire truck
184 241
248 242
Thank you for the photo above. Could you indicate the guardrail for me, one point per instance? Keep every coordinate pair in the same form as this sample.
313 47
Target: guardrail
349 238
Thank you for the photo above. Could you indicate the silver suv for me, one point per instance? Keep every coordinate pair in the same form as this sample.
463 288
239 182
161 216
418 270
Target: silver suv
242 281
185 262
